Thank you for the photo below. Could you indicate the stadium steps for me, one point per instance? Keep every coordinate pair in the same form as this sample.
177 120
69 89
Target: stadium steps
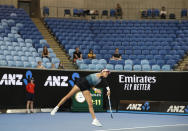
61 54
182 63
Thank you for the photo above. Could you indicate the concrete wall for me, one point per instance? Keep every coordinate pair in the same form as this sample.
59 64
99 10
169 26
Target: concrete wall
131 8
9 2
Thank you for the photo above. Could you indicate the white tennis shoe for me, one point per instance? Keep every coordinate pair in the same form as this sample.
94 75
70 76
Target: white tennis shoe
54 111
96 123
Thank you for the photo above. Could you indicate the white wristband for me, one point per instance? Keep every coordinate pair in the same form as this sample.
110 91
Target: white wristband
108 88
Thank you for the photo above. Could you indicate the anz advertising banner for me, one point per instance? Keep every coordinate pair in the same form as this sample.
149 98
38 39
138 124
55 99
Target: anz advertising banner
52 85
153 106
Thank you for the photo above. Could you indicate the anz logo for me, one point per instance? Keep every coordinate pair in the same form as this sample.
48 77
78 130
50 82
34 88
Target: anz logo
178 109
61 81
11 79
139 107
15 79
28 77
75 77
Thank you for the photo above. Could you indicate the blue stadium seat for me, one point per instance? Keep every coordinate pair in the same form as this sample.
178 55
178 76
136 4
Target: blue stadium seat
109 66
83 67
3 63
92 67
128 67
95 61
78 62
19 64
128 62
48 65
146 67
55 60
24 58
11 63
27 64
155 68
33 64
144 62
87 61
99 67
137 67
102 62
118 67
166 68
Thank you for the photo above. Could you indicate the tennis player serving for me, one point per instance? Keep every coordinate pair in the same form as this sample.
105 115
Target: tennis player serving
84 85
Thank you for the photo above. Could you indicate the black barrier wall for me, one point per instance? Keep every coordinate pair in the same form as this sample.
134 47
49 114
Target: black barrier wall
52 85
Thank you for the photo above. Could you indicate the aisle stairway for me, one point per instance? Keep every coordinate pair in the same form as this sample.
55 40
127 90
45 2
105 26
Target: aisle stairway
53 44
182 63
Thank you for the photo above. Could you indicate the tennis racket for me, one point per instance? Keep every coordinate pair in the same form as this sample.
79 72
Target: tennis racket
110 107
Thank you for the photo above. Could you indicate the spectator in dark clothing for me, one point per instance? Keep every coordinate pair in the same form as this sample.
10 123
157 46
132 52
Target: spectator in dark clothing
45 53
77 55
116 55
118 11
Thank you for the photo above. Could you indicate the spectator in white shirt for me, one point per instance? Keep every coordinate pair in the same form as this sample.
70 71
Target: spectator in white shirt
163 13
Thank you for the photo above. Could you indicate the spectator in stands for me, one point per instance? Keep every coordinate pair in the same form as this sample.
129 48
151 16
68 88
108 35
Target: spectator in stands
53 66
116 55
45 11
61 65
91 55
185 68
163 13
30 95
77 55
40 66
45 52
118 11
93 13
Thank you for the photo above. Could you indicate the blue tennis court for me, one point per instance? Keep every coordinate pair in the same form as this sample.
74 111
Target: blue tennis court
68 121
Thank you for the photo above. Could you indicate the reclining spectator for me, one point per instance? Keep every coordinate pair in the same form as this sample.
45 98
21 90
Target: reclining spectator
40 66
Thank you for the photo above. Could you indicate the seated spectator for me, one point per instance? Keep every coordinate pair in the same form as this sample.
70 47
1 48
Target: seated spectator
185 68
93 13
40 66
91 55
45 52
116 55
77 55
119 11
61 65
53 66
163 13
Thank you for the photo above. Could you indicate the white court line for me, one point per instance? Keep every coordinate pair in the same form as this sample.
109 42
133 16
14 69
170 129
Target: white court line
143 127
